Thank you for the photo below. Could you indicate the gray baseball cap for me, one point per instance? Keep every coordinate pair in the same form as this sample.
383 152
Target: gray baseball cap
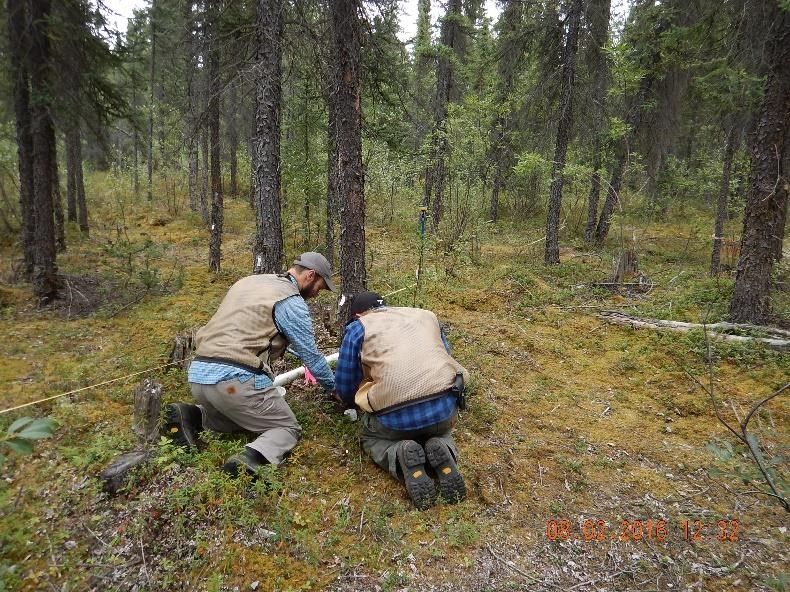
318 263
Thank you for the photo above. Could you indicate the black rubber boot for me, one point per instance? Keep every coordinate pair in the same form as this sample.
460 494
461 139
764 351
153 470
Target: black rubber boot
183 423
248 460
451 483
411 458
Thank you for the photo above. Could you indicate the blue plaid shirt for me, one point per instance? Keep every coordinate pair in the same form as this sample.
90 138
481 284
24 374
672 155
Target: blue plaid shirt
292 318
348 375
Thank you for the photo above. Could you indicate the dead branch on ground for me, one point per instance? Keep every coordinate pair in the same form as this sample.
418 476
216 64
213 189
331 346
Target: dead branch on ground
778 339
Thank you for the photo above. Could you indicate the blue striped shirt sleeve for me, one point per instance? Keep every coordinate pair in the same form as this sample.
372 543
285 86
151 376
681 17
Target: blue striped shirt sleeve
349 364
293 320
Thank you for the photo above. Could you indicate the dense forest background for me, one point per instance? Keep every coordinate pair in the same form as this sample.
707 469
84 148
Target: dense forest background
594 206
318 115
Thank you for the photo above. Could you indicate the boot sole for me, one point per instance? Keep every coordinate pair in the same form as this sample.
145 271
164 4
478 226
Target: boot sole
419 485
451 483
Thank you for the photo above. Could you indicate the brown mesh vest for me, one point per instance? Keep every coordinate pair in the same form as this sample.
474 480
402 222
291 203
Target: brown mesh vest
242 331
403 359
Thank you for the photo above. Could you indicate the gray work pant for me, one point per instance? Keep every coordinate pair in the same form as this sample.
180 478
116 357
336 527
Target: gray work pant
233 406
381 443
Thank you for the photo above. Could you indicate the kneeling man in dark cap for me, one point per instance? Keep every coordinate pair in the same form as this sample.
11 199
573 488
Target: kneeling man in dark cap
395 366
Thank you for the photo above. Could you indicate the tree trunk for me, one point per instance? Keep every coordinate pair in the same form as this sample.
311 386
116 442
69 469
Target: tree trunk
135 134
664 126
670 90
766 201
435 174
45 285
71 184
152 105
510 48
79 183
192 171
215 242
204 173
598 15
251 154
191 131
18 49
233 139
268 249
721 206
308 240
331 173
423 50
347 93
565 121
493 211
613 191
57 202
592 199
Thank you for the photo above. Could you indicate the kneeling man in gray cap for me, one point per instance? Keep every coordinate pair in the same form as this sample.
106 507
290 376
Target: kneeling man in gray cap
231 376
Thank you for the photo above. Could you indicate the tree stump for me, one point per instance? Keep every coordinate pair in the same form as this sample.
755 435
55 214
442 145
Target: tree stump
183 346
147 403
625 265
145 426
474 249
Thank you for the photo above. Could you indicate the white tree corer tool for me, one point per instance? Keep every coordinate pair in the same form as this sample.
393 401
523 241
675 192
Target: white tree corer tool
291 375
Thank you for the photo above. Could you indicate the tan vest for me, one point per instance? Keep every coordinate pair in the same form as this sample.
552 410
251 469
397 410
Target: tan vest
403 359
242 331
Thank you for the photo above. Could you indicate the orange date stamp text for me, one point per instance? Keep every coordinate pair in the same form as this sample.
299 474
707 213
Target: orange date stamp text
689 530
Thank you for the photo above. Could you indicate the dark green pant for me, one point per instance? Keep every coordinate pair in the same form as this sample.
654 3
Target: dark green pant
381 443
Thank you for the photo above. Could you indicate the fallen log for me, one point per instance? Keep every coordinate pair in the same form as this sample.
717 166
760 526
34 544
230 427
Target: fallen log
776 341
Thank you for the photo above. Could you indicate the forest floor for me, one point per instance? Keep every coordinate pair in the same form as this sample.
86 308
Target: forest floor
569 419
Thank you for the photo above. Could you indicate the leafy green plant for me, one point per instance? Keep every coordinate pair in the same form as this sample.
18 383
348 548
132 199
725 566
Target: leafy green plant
168 454
21 434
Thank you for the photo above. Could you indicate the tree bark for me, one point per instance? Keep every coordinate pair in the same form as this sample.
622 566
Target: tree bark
510 48
191 131
331 173
204 173
565 121
45 285
79 181
136 146
664 126
152 105
71 184
268 249
18 49
598 15
233 139
721 204
57 202
766 200
347 93
215 242
613 190
436 172
592 198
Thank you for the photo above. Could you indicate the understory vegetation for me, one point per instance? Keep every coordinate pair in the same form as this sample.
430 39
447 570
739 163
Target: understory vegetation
569 418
